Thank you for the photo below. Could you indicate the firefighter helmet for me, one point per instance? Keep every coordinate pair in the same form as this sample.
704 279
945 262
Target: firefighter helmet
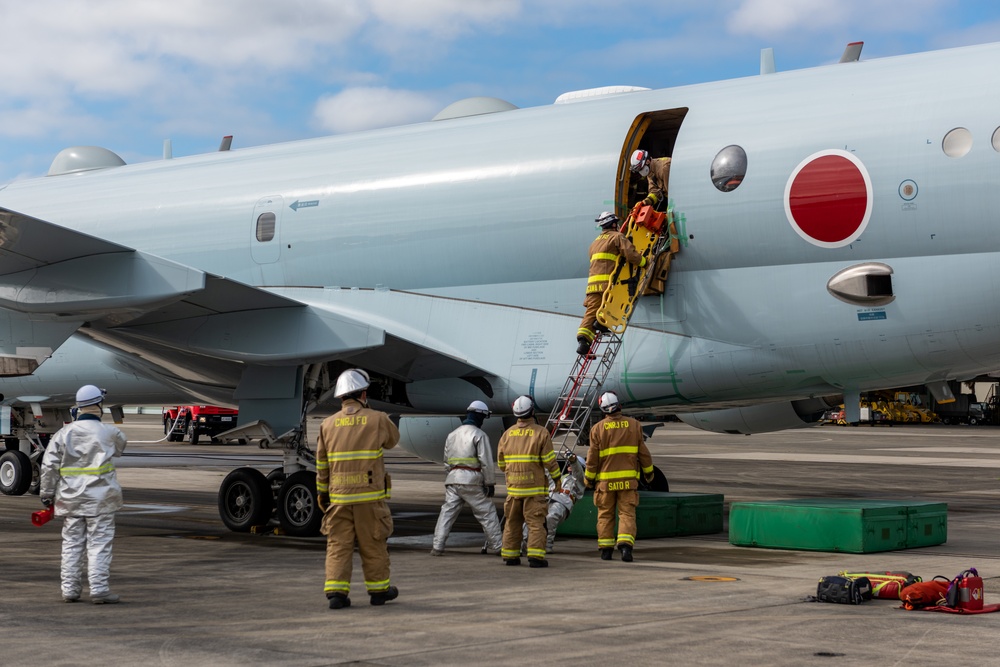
479 408
88 394
639 162
609 402
606 220
351 381
523 406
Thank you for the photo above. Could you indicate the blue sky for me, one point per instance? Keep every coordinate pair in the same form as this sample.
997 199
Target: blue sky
127 74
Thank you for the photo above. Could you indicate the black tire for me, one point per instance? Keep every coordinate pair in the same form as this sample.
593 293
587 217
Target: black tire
659 483
245 500
15 473
298 511
192 432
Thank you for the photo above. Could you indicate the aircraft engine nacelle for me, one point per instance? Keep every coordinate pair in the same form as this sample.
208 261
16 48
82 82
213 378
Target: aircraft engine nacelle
425 436
762 418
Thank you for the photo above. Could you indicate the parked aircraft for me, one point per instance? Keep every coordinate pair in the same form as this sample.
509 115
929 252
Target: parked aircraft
838 226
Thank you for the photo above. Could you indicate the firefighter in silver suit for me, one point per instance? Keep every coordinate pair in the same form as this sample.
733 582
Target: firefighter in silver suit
470 480
78 476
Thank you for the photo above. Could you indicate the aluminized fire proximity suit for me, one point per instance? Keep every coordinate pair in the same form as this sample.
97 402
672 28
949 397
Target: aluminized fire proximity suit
469 461
78 472
349 467
563 497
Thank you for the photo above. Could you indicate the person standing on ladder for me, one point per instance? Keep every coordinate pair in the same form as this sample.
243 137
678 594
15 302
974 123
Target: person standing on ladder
470 480
604 253
616 454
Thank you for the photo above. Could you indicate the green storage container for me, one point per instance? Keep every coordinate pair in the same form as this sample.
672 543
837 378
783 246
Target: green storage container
658 515
826 524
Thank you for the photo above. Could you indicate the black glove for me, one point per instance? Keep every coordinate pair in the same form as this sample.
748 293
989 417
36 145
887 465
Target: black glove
491 490
47 501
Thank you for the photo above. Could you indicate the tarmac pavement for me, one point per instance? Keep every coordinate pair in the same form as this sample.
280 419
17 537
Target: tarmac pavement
194 593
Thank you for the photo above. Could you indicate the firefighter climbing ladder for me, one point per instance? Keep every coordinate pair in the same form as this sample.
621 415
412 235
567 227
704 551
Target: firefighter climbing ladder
652 234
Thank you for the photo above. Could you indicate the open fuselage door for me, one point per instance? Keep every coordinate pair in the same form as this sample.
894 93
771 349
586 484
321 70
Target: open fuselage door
655 132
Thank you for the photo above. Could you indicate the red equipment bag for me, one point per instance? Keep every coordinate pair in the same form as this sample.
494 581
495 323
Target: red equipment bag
925 593
966 591
42 517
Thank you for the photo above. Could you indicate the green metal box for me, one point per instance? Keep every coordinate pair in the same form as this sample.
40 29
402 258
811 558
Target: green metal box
844 525
658 515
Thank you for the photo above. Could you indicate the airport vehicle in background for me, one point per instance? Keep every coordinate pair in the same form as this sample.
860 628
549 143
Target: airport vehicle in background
193 421
812 206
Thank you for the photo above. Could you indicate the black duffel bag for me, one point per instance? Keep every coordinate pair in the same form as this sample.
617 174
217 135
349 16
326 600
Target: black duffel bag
843 590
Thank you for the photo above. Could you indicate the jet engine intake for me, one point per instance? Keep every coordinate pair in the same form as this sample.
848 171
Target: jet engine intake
763 418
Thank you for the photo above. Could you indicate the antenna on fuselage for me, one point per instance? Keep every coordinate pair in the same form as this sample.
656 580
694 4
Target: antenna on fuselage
227 142
168 149
852 53
767 61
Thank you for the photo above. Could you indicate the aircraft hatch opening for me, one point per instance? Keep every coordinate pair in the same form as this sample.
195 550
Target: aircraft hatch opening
655 132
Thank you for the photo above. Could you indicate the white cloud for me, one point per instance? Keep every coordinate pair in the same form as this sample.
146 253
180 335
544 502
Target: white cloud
356 109
771 18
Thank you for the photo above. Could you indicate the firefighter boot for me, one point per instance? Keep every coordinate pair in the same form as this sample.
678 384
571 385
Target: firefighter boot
339 601
537 562
379 599
606 553
584 345
512 561
626 552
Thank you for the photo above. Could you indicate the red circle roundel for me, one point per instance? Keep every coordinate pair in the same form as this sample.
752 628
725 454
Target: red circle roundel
828 198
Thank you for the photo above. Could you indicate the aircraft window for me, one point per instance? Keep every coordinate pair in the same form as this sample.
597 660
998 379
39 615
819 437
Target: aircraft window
728 168
957 143
265 227
996 139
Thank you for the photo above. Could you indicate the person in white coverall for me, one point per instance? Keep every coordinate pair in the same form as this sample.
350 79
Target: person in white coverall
471 479
78 475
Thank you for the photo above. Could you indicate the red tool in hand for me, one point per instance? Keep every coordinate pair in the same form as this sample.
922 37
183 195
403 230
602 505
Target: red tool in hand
42 517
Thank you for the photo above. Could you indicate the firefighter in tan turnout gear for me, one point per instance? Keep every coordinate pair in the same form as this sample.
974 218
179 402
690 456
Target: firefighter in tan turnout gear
604 253
615 457
78 475
524 453
352 488
657 174
470 480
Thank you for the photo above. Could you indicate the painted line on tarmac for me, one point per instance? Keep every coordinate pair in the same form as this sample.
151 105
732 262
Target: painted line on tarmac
935 461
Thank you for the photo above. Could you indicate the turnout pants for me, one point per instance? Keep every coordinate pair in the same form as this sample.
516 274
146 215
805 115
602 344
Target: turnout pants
368 524
519 511
87 545
456 495
606 502
591 303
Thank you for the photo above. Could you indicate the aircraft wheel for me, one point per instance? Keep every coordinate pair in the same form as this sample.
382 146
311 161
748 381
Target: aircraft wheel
264 443
659 483
298 510
15 473
245 500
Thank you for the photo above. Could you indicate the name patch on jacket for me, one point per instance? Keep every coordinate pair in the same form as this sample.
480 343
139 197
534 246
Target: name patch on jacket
610 425
350 478
521 432
360 420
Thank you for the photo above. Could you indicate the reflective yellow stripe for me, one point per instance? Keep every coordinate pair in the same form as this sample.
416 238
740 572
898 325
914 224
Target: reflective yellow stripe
536 553
590 475
362 455
626 449
599 278
648 470
626 538
463 462
604 255
333 586
350 498
321 488
551 456
522 458
70 472
510 553
618 474
530 491
586 333
377 586
321 465
606 542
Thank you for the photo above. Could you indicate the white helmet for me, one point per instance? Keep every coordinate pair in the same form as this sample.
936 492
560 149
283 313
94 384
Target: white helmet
88 394
523 406
609 402
351 381
606 219
479 408
639 162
